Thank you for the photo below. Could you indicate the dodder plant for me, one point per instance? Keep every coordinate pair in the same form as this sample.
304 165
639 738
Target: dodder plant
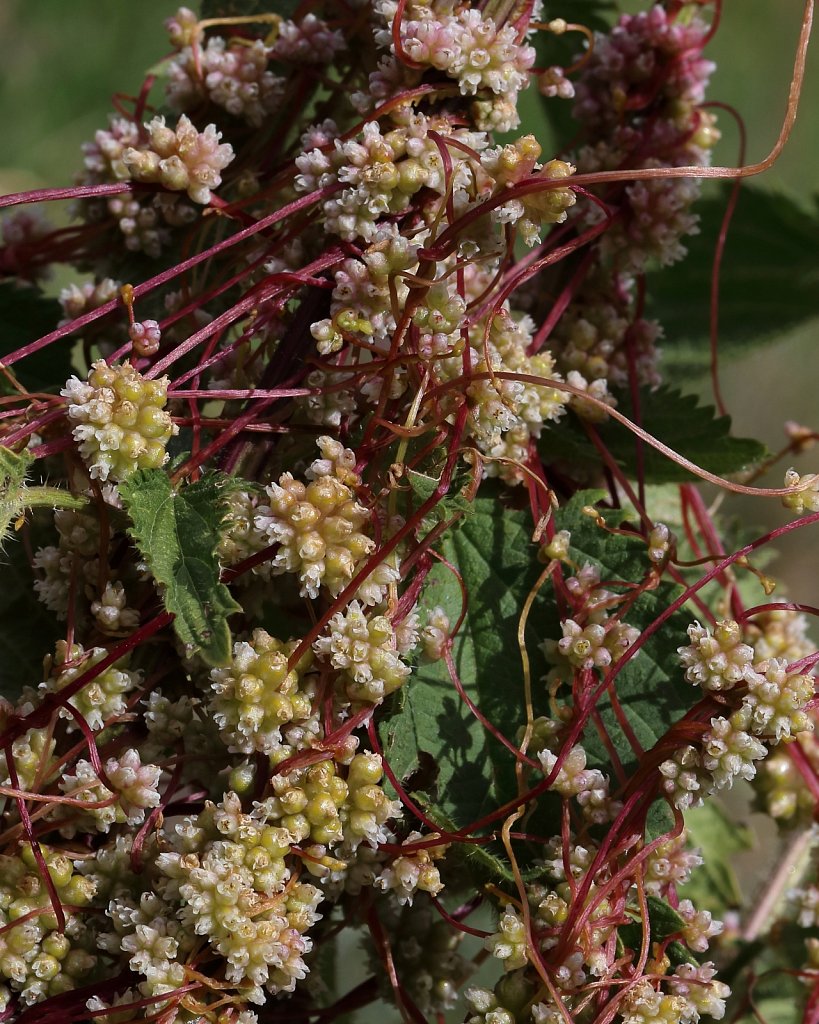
386 637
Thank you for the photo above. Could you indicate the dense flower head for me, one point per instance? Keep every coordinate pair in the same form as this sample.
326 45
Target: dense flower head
413 871
318 525
120 420
234 890
776 700
100 699
143 224
232 75
508 943
377 173
651 56
257 696
134 789
598 336
639 97
716 660
364 649
180 159
37 957
308 41
480 55
77 550
671 863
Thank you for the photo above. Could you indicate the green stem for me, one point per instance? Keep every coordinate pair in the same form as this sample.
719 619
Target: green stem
51 497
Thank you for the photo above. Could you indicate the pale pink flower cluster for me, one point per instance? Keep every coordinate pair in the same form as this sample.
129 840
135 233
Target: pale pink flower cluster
639 96
234 75
103 158
475 51
773 708
414 871
589 786
597 337
309 41
377 173
181 159
644 54
592 638
143 223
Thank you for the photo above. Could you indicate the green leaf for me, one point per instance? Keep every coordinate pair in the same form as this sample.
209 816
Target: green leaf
659 820
678 420
768 282
663 921
453 504
714 884
471 772
13 471
474 773
650 688
26 314
177 533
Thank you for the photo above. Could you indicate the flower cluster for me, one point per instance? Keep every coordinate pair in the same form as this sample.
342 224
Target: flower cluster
77 549
317 525
772 708
592 638
258 697
143 223
103 697
480 55
365 649
308 41
39 956
640 99
233 76
134 791
120 422
180 159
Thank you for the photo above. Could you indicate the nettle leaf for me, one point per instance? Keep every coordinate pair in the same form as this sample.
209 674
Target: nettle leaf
768 281
177 533
679 421
433 741
719 838
473 772
650 688
659 820
663 921
26 314
453 504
